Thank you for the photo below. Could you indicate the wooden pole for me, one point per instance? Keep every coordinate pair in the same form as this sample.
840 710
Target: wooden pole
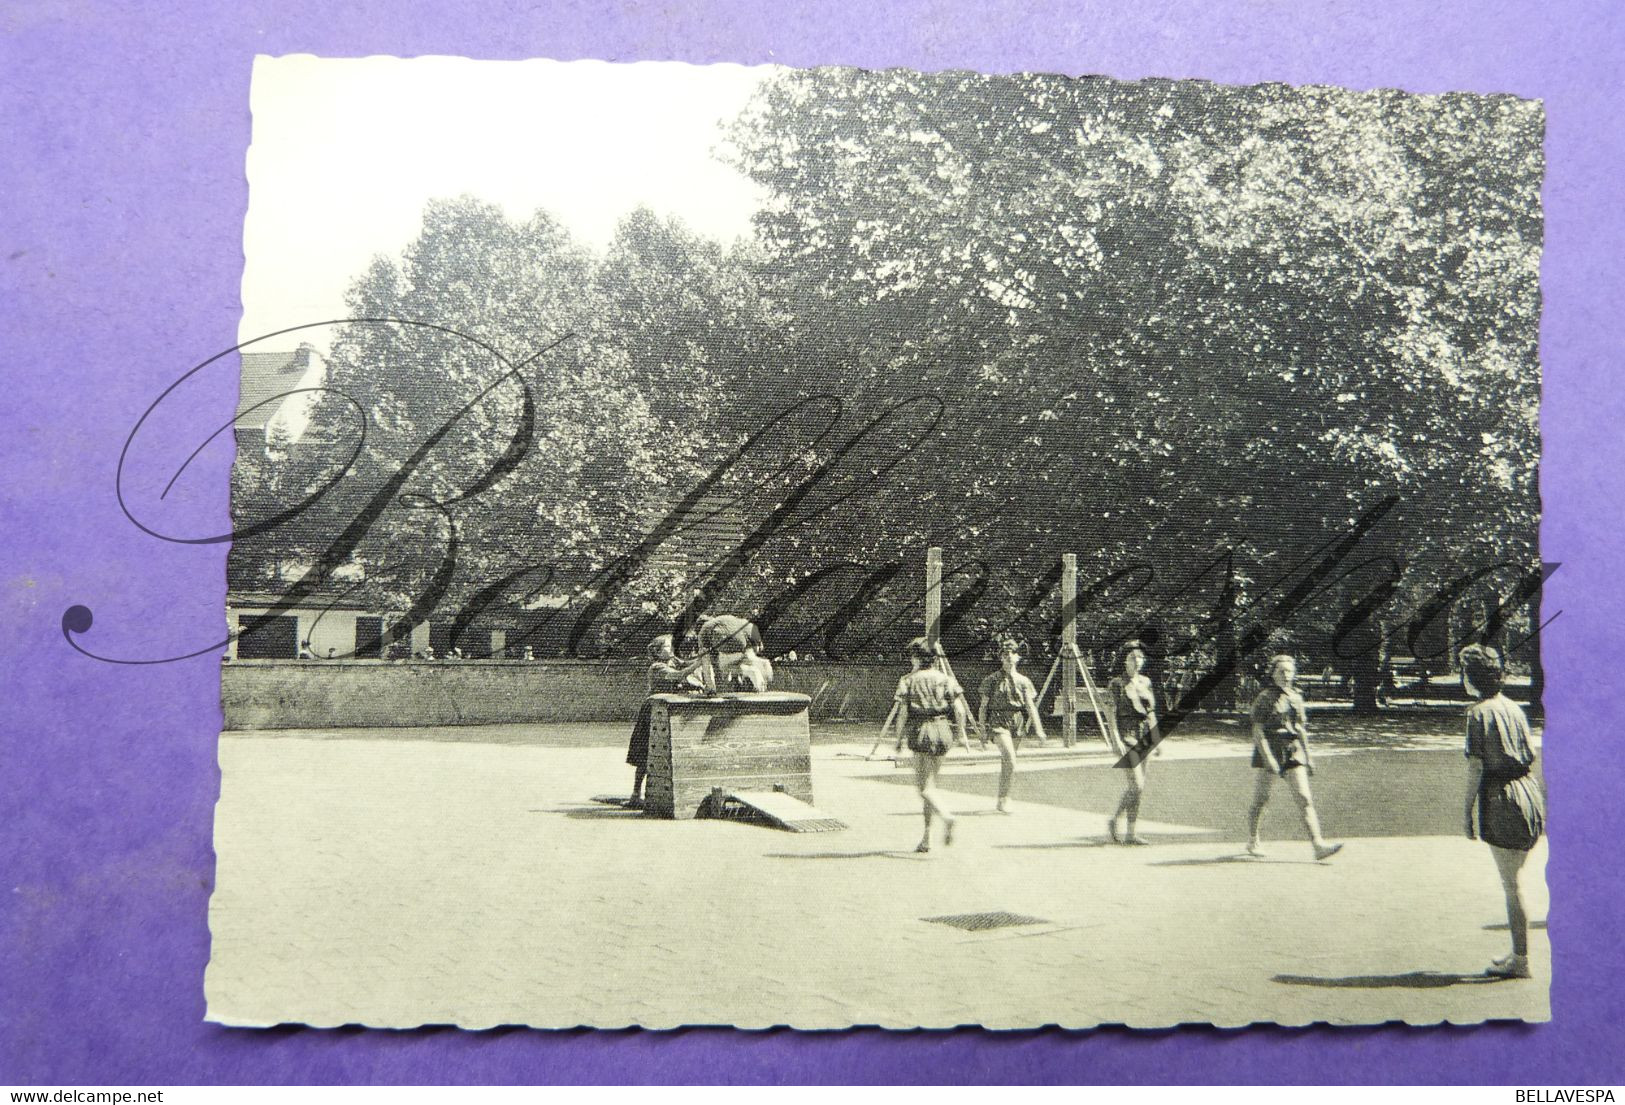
1094 703
933 594
933 618
1049 680
1069 647
885 729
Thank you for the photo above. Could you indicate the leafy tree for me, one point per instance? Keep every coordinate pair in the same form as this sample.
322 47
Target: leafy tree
638 342
1177 319
1196 328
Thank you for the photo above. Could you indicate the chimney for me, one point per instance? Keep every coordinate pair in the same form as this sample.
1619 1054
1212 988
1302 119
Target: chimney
301 358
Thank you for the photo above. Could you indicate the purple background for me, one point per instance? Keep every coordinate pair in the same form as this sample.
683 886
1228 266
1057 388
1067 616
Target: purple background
122 196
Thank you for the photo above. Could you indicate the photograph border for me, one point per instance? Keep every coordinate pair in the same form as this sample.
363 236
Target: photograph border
128 193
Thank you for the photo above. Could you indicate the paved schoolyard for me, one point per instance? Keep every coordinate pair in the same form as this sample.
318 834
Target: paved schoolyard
464 876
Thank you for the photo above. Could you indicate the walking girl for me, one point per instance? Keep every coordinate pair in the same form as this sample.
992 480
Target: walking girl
1131 719
1281 747
929 710
1009 706
1505 806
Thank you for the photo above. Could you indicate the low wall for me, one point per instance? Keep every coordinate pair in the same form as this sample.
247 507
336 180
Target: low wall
326 694
337 694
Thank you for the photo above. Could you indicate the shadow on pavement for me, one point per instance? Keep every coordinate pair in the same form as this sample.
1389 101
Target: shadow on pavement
1239 857
598 813
1411 980
1504 927
909 855
986 812
1086 843
1207 861
1360 792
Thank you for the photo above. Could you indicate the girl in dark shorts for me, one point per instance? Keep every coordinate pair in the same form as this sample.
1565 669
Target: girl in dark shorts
1131 719
667 675
1505 806
1281 747
1009 707
930 710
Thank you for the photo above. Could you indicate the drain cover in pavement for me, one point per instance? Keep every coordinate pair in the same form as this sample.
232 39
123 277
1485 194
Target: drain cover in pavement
980 922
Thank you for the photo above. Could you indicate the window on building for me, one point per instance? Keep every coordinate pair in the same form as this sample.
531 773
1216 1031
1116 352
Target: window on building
440 638
270 639
369 638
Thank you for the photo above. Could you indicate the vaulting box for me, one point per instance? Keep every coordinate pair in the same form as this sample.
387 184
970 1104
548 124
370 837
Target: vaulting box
738 742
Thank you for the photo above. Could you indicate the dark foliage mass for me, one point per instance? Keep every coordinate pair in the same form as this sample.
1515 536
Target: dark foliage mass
1188 327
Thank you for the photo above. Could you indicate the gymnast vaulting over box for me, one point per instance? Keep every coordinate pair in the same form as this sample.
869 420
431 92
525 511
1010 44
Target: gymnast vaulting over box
730 655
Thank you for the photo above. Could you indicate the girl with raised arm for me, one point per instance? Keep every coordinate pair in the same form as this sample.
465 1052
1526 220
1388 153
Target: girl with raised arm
1281 747
929 709
1505 806
667 675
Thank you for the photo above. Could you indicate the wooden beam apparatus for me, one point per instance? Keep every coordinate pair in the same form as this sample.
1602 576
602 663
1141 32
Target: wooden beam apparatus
1069 645
933 593
933 622
1095 705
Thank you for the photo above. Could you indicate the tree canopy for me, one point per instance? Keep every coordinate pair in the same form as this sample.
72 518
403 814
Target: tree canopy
1175 318
1174 324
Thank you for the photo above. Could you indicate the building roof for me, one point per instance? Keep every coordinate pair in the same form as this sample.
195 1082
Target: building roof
255 600
267 375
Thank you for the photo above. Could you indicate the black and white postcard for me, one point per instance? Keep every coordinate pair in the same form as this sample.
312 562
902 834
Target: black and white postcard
760 546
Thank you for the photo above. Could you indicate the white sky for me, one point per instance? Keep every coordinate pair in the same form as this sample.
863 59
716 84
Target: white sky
346 152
